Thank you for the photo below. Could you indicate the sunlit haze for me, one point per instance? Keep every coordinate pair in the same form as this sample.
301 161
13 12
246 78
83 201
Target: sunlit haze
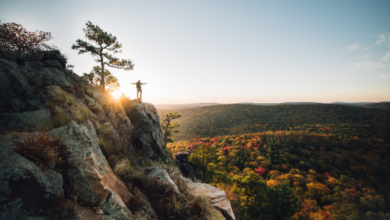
230 51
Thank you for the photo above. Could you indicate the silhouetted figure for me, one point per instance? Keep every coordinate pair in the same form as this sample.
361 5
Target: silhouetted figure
139 89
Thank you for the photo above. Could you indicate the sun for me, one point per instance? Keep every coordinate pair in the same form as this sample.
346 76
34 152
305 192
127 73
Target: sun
116 94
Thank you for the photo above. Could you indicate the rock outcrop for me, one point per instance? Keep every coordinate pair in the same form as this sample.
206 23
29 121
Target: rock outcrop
38 93
96 183
25 187
184 165
217 197
148 134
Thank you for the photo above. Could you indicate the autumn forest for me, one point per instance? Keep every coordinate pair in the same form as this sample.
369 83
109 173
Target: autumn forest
324 161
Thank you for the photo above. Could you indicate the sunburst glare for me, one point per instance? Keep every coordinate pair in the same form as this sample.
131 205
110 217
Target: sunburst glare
116 94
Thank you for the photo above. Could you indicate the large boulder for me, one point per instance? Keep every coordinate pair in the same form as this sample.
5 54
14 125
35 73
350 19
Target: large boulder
216 197
96 183
15 92
162 176
24 74
42 56
26 189
148 136
114 114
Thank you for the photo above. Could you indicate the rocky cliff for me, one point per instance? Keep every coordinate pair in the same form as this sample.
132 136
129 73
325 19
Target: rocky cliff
68 151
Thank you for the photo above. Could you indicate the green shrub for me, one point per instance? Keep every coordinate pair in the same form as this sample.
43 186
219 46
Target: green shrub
89 91
87 114
110 145
59 118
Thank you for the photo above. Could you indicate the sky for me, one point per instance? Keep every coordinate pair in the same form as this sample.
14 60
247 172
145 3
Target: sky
230 51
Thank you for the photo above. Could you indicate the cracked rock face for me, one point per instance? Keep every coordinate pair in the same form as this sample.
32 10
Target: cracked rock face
162 176
89 171
25 188
216 197
148 135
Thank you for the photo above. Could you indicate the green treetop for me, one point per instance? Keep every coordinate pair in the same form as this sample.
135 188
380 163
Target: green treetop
103 45
261 202
95 79
170 127
203 157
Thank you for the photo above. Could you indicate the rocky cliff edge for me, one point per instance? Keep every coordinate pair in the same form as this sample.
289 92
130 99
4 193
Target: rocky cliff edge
68 151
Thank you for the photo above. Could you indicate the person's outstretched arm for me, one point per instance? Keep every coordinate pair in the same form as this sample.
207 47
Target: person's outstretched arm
143 83
133 83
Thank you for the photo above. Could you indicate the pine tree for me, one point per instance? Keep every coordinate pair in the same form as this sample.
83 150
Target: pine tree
104 43
168 127
95 79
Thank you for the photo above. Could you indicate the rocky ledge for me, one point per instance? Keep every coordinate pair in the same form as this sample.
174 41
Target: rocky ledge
68 151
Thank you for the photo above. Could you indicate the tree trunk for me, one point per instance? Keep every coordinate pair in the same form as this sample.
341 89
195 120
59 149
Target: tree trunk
102 83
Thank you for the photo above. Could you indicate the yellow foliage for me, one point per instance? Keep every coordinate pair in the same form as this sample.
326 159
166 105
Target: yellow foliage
319 187
247 170
260 158
274 172
272 183
333 182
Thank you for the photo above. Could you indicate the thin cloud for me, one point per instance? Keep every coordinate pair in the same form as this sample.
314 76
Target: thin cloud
353 47
386 57
385 77
369 64
335 57
63 9
382 38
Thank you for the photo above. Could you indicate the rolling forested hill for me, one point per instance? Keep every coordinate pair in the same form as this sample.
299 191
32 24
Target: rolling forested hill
335 159
379 105
237 119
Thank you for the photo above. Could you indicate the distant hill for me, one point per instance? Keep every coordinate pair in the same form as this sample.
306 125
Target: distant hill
236 119
379 105
181 106
352 103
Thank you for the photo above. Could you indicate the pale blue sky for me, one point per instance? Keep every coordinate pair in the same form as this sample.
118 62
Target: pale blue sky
231 51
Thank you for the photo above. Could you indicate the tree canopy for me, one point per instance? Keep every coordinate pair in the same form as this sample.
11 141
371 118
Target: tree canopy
102 47
95 78
16 38
170 127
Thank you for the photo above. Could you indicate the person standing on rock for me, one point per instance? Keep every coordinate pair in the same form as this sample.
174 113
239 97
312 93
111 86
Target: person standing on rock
139 89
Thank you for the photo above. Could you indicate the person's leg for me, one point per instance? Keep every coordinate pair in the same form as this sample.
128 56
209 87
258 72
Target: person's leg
137 93
140 94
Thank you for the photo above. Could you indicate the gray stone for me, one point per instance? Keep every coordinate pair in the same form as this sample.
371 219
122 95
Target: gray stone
51 63
146 212
88 168
162 175
148 134
216 197
33 56
31 186
15 76
112 206
15 92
